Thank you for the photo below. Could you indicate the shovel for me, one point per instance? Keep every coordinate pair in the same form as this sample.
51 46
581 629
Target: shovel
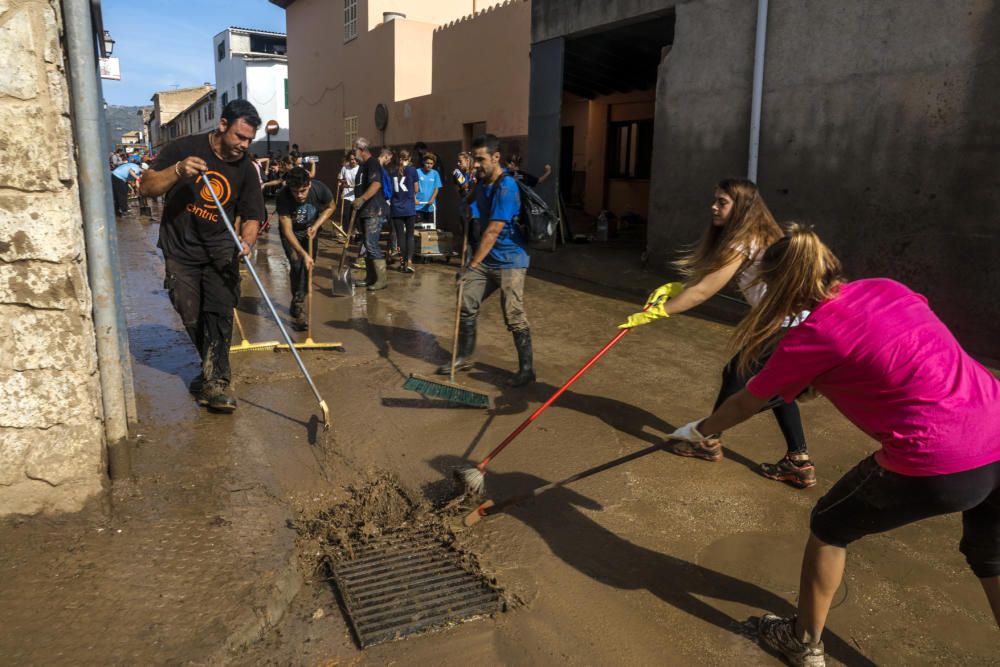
343 284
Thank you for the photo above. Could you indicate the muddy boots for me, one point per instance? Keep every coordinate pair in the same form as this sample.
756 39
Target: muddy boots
369 273
466 346
381 275
525 367
217 397
298 313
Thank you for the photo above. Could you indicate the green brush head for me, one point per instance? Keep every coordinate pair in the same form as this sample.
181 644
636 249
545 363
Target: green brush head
447 392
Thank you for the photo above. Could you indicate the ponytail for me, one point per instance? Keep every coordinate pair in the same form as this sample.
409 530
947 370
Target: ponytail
404 156
799 271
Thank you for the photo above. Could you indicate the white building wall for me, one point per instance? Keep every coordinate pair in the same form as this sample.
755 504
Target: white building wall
228 72
266 91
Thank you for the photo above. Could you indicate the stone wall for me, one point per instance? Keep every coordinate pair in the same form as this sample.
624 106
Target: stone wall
51 437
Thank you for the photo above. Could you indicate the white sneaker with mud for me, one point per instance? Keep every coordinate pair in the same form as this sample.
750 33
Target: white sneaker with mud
778 634
709 450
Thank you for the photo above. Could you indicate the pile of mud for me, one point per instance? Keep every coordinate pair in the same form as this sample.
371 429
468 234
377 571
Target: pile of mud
377 507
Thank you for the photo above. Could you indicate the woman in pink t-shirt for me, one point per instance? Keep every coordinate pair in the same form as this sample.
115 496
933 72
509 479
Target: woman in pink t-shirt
876 350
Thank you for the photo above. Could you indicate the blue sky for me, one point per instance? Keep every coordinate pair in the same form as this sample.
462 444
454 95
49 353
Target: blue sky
160 45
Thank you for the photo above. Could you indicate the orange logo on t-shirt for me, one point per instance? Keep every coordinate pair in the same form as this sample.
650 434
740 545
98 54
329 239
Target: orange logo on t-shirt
222 191
220 186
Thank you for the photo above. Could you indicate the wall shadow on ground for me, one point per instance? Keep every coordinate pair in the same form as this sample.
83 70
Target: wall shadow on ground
164 349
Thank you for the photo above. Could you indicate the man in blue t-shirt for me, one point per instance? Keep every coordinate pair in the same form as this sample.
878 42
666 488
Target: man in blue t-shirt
120 176
499 261
430 185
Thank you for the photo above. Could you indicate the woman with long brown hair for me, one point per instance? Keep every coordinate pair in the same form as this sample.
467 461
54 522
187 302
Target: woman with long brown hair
740 230
403 208
878 352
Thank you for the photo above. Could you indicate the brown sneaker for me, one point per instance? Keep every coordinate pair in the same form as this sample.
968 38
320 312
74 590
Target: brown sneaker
800 474
710 450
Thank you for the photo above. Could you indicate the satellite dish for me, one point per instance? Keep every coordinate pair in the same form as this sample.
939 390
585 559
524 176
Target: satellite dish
381 117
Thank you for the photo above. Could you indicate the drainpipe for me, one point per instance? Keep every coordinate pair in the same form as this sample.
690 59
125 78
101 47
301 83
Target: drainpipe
758 89
94 185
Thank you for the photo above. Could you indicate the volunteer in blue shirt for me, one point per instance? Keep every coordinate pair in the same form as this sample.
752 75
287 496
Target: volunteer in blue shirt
500 261
430 184
119 184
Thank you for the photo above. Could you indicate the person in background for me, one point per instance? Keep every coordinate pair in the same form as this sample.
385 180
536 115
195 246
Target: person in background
402 207
430 185
348 179
303 205
880 355
514 167
120 178
371 209
464 177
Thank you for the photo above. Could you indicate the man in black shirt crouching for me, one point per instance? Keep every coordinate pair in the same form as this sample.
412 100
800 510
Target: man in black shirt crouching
303 205
202 264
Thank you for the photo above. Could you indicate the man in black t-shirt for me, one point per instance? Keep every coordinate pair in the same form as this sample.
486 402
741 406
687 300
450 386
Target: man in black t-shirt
202 262
303 205
372 212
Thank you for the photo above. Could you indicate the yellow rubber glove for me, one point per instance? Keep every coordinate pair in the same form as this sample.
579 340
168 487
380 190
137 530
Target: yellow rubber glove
654 306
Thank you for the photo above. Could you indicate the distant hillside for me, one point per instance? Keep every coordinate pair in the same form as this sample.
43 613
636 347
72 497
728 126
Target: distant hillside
121 120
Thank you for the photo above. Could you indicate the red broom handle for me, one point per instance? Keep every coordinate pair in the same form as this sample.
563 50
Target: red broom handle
546 404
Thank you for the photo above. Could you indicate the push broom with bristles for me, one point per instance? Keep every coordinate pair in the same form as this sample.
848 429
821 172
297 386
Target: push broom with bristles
451 390
474 479
245 345
309 343
210 190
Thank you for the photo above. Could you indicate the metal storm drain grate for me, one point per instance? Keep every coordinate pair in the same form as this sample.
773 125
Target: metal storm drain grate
404 584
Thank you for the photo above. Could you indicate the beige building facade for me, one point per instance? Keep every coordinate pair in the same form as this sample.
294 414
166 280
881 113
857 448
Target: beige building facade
167 104
52 453
198 118
443 70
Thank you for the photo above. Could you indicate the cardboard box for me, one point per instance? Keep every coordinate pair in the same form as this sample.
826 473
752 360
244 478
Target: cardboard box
434 243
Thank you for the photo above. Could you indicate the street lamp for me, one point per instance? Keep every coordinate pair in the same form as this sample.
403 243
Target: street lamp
109 44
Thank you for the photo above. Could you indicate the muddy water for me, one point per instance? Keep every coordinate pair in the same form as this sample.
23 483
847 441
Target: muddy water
658 561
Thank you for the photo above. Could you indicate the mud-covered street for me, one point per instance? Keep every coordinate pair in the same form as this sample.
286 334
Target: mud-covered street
197 558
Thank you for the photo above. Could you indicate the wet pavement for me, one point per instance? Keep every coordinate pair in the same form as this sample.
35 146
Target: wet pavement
658 561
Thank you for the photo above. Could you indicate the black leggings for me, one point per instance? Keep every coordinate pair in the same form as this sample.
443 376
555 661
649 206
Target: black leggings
870 499
787 414
404 236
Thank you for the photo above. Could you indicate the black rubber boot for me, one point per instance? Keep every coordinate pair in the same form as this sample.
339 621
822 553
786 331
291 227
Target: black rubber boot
466 346
369 274
295 310
217 397
381 276
197 384
525 359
